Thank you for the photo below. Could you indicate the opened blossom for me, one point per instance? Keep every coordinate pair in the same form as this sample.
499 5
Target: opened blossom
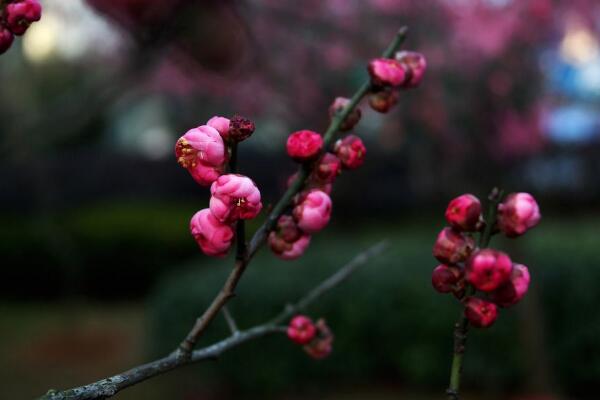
234 197
221 124
513 290
415 65
202 152
351 151
213 236
301 329
304 145
386 72
487 269
20 14
313 211
480 313
518 213
451 246
464 213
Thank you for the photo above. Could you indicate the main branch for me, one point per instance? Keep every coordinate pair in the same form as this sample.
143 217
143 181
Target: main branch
109 387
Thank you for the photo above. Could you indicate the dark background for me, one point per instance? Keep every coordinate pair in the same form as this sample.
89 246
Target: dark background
99 271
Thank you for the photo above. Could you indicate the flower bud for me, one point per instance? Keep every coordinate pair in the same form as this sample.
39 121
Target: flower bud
351 120
464 213
518 213
383 100
512 291
234 197
213 236
221 124
301 329
488 269
322 344
415 66
452 246
202 152
386 72
240 128
288 250
480 313
351 151
447 278
313 211
327 170
6 39
304 145
20 14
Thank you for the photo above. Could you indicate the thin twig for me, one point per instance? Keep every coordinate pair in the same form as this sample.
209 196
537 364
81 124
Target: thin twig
109 387
259 237
230 321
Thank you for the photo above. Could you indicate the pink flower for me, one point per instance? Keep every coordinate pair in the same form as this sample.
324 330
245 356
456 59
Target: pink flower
464 213
202 152
313 211
518 213
384 100
240 128
20 14
221 124
480 313
452 247
322 344
386 72
301 329
304 145
351 151
286 240
213 236
514 289
488 269
415 66
234 197
447 278
6 39
351 120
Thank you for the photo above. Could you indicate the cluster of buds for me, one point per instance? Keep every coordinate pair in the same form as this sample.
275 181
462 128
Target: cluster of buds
203 151
467 271
390 75
316 338
15 18
312 207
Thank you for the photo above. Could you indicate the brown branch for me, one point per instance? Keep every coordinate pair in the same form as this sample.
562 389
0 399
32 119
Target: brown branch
109 387
228 290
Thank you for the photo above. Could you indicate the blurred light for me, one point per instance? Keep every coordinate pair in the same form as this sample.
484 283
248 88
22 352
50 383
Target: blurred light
156 143
40 42
573 124
579 46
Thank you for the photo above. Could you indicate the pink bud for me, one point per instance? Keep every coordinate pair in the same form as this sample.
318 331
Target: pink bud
452 246
240 128
322 344
287 228
415 65
213 237
512 291
487 269
304 145
200 150
351 120
518 213
313 211
481 313
301 329
386 72
288 250
447 278
6 39
351 151
221 124
234 197
384 100
464 213
327 170
20 14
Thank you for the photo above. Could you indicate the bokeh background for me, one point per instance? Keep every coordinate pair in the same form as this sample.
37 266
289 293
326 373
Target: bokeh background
99 272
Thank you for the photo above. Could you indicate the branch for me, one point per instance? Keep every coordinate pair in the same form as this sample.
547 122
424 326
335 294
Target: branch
228 290
109 387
